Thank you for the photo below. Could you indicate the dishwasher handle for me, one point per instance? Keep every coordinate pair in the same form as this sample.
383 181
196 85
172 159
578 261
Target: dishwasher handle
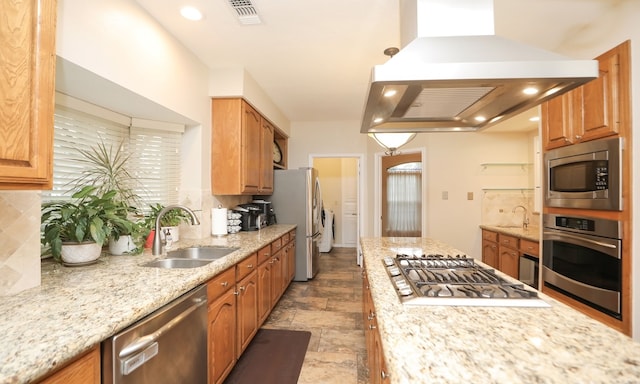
144 341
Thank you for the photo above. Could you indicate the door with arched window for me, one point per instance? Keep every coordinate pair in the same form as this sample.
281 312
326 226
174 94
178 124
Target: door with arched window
402 195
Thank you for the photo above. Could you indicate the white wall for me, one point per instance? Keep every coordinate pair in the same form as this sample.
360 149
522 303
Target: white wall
452 164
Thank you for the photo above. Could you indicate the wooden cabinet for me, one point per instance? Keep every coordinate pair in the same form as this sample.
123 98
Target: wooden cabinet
375 354
595 110
247 302
266 157
83 370
490 248
221 332
265 303
27 48
508 255
241 149
528 247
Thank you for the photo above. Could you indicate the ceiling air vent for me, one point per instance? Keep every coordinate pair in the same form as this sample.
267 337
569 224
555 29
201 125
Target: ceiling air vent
247 13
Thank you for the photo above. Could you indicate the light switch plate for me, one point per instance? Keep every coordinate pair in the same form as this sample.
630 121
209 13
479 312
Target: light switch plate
445 195
469 195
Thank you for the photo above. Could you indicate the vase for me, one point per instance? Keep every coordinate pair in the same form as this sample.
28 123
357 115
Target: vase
80 253
124 244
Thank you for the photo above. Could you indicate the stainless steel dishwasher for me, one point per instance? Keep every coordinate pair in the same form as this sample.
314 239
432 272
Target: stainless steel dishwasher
167 346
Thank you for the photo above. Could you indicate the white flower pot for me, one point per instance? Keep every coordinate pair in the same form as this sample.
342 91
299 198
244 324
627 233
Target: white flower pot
80 253
123 245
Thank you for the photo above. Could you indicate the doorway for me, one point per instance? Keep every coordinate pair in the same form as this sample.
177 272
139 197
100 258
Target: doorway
400 195
341 183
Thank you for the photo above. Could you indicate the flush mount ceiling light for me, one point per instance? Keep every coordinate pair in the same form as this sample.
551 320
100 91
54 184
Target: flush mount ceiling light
391 142
191 13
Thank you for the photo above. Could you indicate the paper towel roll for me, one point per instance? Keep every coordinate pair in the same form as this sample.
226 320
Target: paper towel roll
218 221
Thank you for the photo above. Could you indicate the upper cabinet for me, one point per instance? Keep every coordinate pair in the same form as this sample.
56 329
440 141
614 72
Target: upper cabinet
595 110
242 149
27 59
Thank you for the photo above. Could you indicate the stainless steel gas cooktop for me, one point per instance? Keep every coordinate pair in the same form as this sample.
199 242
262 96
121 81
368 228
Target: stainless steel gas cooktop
456 281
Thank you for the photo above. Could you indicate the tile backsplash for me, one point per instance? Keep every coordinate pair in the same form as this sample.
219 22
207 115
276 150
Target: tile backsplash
19 241
498 205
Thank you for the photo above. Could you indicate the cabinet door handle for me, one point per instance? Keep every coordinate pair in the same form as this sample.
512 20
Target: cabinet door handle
372 327
249 266
241 288
224 284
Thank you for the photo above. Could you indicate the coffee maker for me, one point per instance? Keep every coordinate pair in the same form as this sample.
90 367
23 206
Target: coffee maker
267 210
249 216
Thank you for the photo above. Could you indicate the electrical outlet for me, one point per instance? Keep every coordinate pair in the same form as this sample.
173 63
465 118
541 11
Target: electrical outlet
445 195
469 195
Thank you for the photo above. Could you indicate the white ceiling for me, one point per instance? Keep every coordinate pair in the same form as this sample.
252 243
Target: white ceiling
313 58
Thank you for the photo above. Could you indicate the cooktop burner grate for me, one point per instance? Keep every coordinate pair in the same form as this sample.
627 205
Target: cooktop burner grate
432 279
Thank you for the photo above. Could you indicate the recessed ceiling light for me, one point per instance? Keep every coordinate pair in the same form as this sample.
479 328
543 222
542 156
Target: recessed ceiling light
390 93
378 120
191 13
480 118
530 91
534 118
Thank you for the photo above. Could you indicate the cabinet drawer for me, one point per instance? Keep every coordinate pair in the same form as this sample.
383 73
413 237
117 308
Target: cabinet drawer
508 241
246 266
264 254
285 238
529 247
292 235
276 245
488 235
219 284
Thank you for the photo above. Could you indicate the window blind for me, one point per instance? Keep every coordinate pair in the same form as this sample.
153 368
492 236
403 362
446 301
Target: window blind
154 161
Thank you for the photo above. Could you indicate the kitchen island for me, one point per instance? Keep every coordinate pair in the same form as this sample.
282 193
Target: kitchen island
75 308
455 344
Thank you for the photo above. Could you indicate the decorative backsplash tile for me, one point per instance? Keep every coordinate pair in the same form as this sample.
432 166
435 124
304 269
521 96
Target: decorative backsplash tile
19 241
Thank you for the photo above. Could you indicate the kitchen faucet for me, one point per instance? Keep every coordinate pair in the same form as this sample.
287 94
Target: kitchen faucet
525 219
157 244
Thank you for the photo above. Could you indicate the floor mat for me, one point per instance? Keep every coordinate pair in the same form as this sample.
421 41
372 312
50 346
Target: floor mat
274 356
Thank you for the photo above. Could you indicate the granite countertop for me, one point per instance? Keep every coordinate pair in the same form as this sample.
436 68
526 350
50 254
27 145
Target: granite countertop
76 308
531 233
447 344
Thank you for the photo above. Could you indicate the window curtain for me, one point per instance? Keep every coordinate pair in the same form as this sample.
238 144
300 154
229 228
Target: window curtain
404 190
155 159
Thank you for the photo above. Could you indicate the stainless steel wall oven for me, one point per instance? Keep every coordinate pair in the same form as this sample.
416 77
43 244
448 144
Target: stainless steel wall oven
582 258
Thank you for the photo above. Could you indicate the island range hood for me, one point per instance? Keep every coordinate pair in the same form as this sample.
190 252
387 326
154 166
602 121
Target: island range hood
454 74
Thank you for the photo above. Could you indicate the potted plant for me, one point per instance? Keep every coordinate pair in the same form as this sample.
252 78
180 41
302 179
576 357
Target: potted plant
76 230
106 170
170 221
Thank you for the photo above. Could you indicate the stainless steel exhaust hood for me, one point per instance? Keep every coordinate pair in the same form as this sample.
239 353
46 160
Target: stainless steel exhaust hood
458 76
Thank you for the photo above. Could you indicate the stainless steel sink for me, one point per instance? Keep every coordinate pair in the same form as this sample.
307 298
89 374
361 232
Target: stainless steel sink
201 253
177 263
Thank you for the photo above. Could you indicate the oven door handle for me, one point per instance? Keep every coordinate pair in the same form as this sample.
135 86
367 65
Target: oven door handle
580 239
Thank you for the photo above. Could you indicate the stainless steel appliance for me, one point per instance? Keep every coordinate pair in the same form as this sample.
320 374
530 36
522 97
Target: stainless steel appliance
456 75
168 346
586 175
297 200
582 258
249 216
529 270
455 280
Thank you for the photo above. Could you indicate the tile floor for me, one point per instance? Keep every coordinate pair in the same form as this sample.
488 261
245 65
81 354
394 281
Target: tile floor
330 307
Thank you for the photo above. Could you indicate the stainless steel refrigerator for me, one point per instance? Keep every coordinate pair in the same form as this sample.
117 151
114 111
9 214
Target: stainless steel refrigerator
297 199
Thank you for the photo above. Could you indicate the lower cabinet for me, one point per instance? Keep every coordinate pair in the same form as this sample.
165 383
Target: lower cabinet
240 300
247 301
375 355
490 248
508 255
83 370
221 333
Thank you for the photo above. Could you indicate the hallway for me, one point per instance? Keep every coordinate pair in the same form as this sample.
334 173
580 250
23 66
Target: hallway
330 307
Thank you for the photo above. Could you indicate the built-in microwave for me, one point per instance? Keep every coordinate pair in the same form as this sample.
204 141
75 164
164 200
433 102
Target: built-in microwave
586 175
